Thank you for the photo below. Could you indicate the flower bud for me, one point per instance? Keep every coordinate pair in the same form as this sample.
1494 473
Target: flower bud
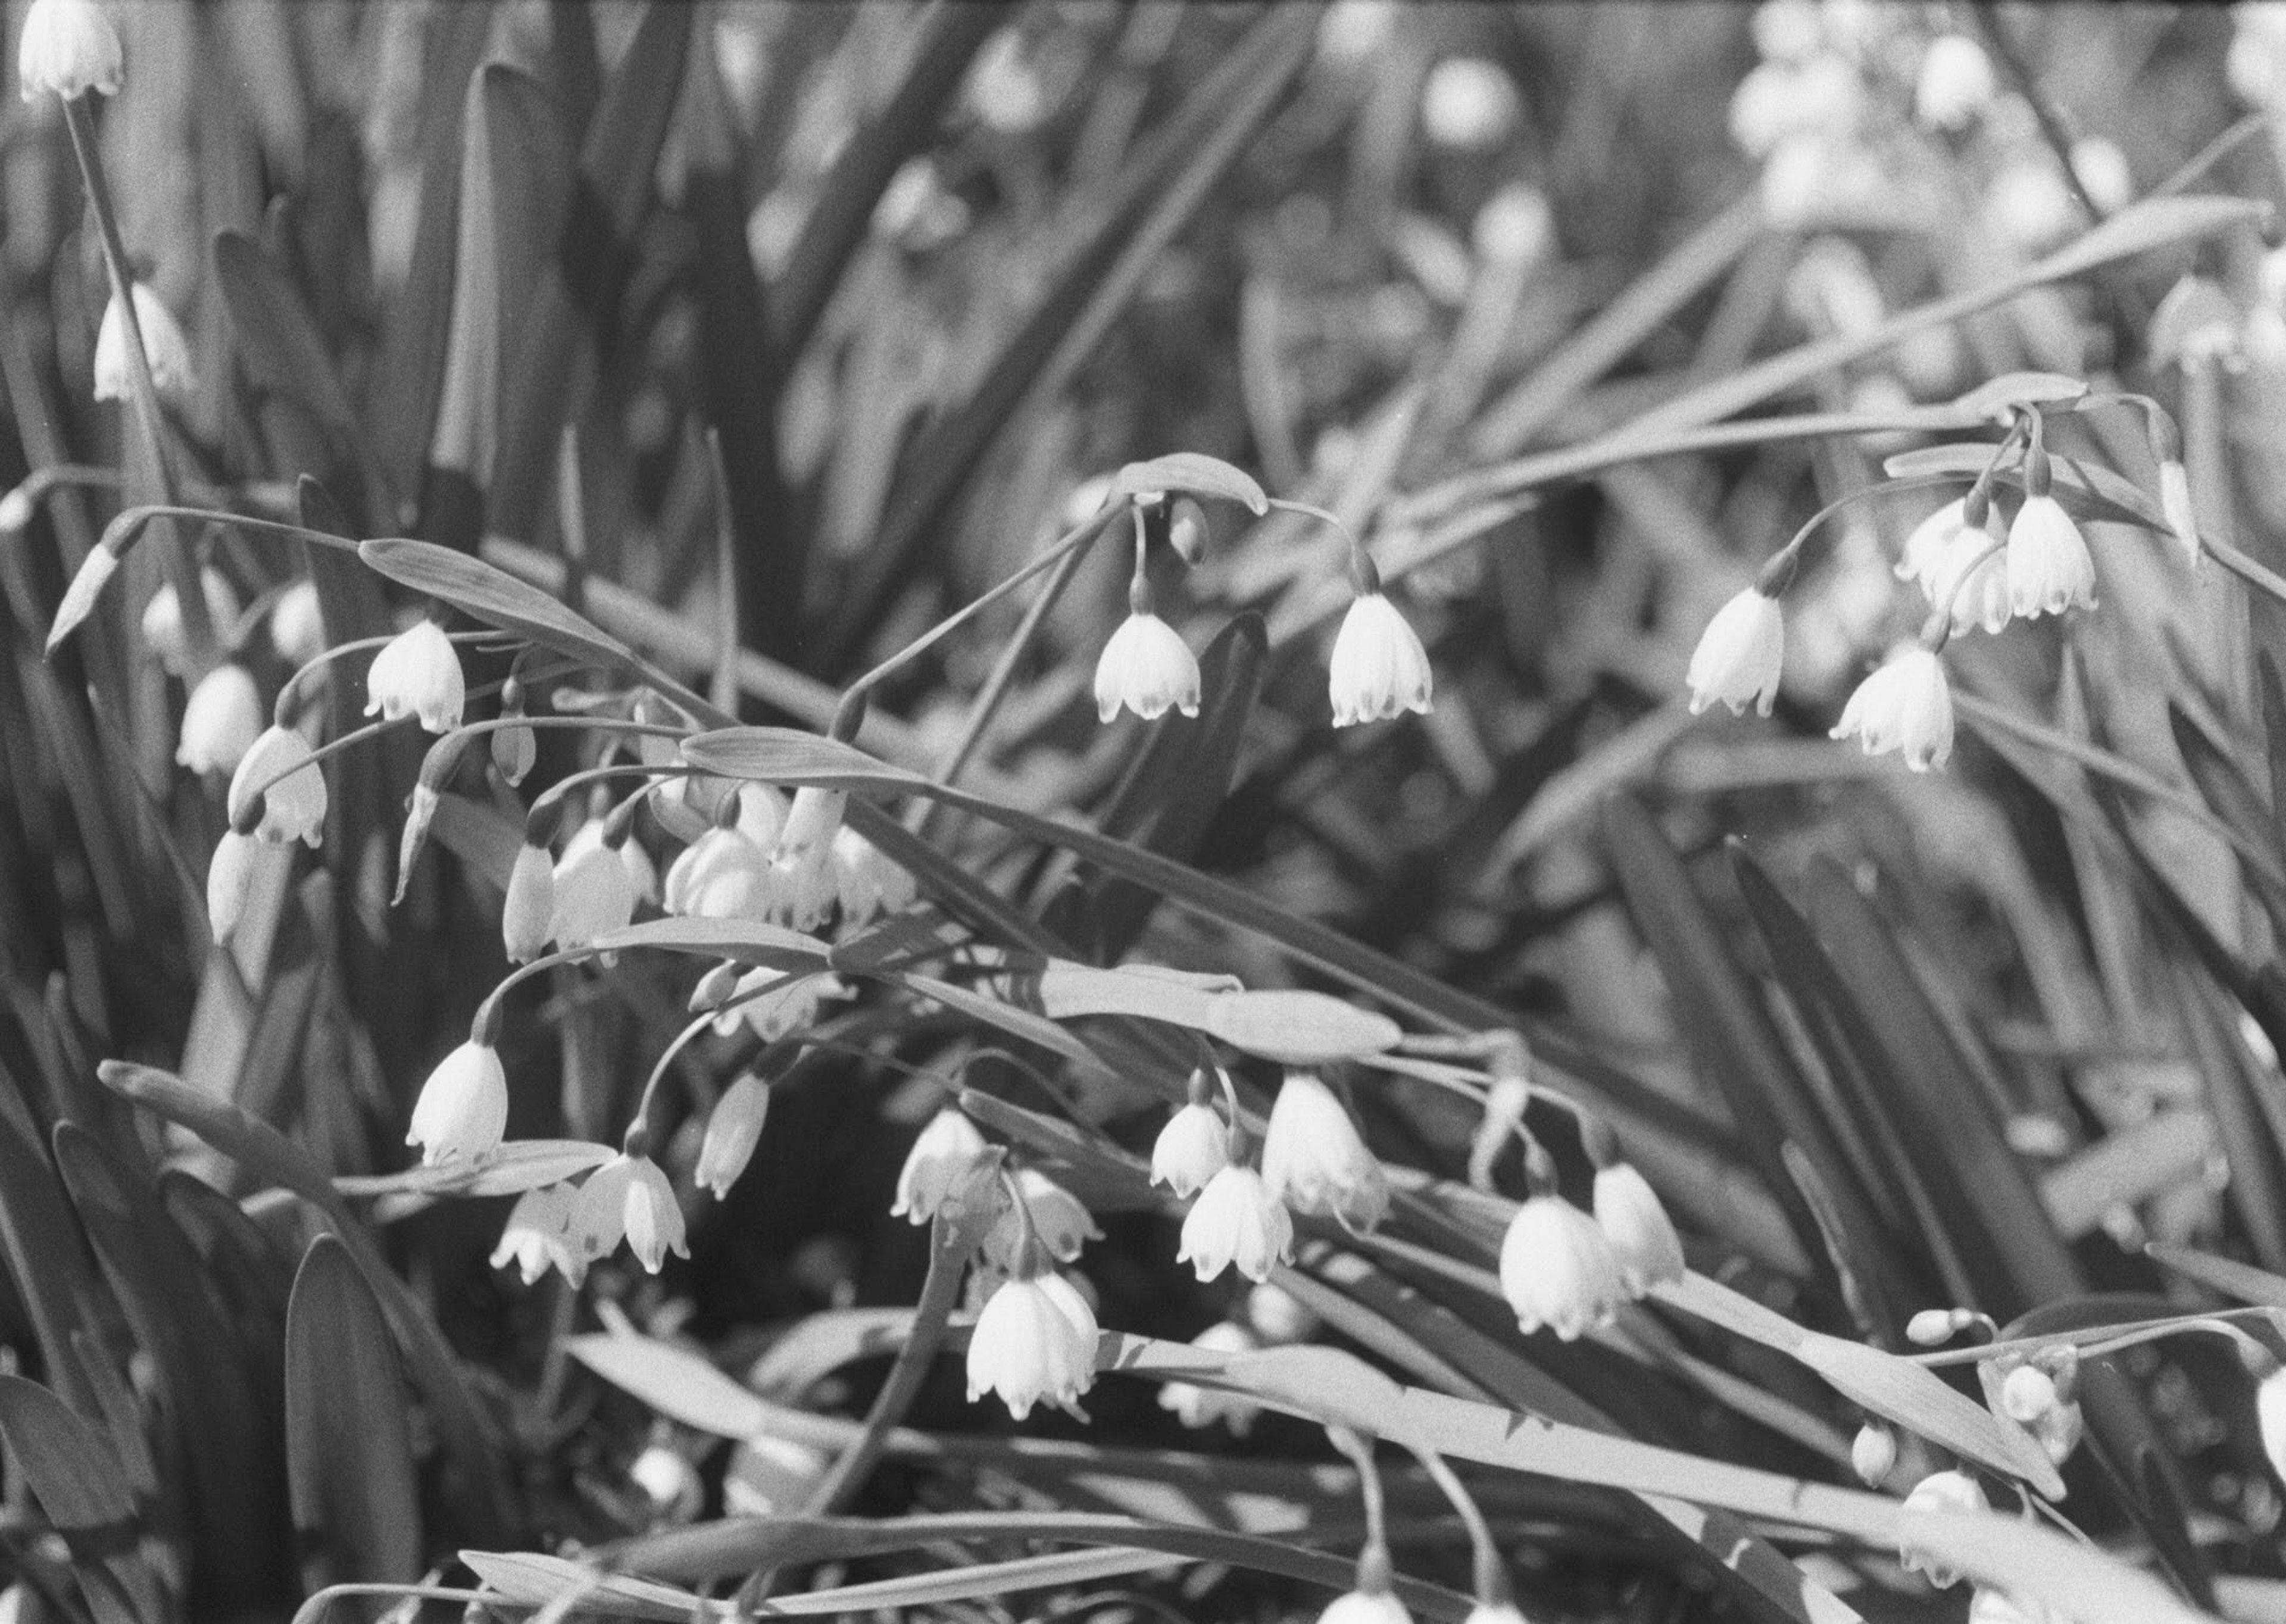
529 903
1186 530
734 1128
298 625
1278 1316
162 616
2027 1393
1631 1216
164 344
1956 83
230 879
1873 1453
1468 103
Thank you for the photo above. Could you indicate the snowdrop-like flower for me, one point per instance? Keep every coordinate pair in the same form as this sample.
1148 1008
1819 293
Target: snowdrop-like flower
530 905
1362 1606
2270 1418
1943 1491
1059 1220
1739 655
1378 669
163 342
417 674
462 1110
230 877
734 1128
773 1002
221 721
1970 582
1956 82
593 889
294 808
1906 707
537 1236
1989 1606
163 618
2049 569
1873 1453
1314 1160
1148 667
720 875
68 48
1191 1149
1925 546
1278 1316
298 625
1557 1269
866 881
1201 1406
1236 1220
1034 1342
628 1196
938 1166
1634 1219
803 884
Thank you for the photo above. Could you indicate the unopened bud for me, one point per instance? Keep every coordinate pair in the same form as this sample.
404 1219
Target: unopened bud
2027 1395
530 905
716 985
1933 1326
1186 530
1873 1453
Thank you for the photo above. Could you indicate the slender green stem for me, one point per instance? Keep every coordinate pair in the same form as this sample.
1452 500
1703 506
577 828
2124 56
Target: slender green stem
1490 1576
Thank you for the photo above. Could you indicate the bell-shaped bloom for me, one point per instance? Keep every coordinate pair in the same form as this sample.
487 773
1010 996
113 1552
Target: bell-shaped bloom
1495 1612
593 889
1739 655
1970 582
68 48
417 674
1943 1491
221 721
230 877
298 625
1314 1160
163 618
1148 667
1378 668
937 1167
1362 1606
734 1128
1034 1342
1278 1316
1635 1221
1059 1220
1236 1220
628 1197
462 1110
163 342
1956 82
1201 1406
1557 1269
773 1004
1906 707
2049 568
292 807
530 905
720 875
537 1235
1873 1453
803 883
761 815
1926 542
867 883
1190 1150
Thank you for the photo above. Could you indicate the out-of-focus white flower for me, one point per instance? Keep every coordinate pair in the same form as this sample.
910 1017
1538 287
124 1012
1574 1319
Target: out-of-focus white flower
230 876
537 1236
1817 100
2102 170
1557 1269
1035 1341
2256 65
1278 1316
1634 1220
938 1166
1943 1491
771 1004
1906 707
867 882
417 674
163 342
462 1110
1378 668
1924 551
1062 1222
68 48
2028 204
1353 31
298 625
294 808
1956 82
221 720
1004 90
1236 1220
1191 1149
1971 580
669 1481
1513 227
2027 1393
1989 1606
803 884
163 618
2049 568
1739 655
1148 667
1365 1606
628 1196
1788 30
593 889
1201 1406
720 875
1800 181
734 1128
1315 1160
1468 103
530 906
1873 1453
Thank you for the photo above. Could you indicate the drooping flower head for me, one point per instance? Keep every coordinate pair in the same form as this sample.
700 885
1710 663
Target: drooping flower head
1315 1160
1201 1406
163 342
804 886
1034 1342
298 625
417 674
1634 1219
1191 1149
734 1130
68 48
594 888
720 875
1557 1269
1739 655
294 806
1236 1220
529 907
938 1166
162 617
1943 1491
538 1236
1060 1221
462 1110
630 1197
2049 567
1147 666
1906 707
221 721
1378 669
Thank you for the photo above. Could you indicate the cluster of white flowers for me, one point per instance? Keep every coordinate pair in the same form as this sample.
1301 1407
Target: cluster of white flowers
1565 1271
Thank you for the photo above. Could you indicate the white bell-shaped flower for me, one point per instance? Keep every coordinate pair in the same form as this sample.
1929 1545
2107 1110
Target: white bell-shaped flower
867 882
1201 1406
230 878
720 875
1236 1220
68 48
221 721
803 883
1364 1605
1634 1219
1378 669
162 617
1739 655
1061 1221
1970 582
1941 1491
292 807
1148 667
1906 707
1190 1150
417 674
1034 1342
1925 543
1557 1269
1315 1160
169 352
628 1197
594 888
298 625
2049 567
462 1110
530 905
937 1167
1956 83
537 1235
